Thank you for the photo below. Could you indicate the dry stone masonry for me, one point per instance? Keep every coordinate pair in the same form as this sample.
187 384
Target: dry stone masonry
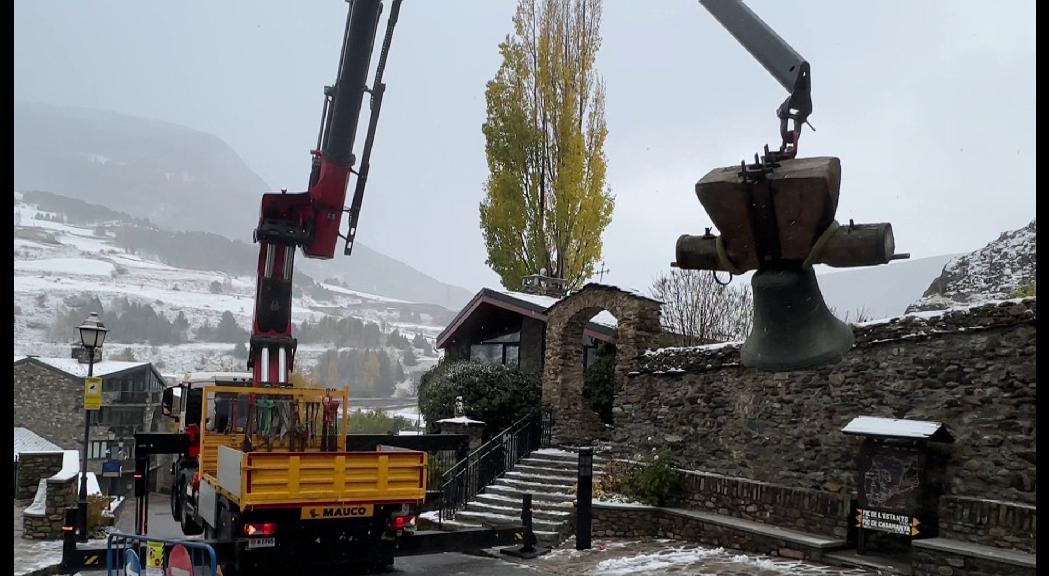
767 446
563 376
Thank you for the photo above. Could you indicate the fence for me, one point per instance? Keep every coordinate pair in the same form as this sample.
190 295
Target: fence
491 460
175 557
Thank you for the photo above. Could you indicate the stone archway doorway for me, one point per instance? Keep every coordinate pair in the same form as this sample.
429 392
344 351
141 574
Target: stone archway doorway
563 371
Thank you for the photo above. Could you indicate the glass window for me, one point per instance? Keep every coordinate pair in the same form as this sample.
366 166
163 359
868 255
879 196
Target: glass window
99 449
512 337
491 353
512 355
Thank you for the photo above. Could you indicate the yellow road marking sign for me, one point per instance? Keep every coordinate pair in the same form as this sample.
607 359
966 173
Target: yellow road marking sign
336 512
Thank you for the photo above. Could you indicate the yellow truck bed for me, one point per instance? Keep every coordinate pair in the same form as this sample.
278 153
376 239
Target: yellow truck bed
274 476
290 479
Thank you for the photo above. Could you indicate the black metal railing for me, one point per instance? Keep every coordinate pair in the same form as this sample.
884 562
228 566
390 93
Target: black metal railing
491 460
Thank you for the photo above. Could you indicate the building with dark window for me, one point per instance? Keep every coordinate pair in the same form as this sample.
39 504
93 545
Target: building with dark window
504 327
49 399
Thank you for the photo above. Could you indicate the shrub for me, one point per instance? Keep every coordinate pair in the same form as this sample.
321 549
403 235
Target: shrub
656 482
492 393
366 422
96 504
1025 291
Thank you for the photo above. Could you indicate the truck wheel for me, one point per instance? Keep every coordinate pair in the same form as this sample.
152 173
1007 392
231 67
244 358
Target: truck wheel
189 526
177 494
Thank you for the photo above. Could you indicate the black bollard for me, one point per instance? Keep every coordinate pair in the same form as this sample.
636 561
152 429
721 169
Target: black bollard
70 560
528 548
584 494
526 519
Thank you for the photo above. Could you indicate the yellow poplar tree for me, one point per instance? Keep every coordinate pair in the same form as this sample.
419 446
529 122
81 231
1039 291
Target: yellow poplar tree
546 202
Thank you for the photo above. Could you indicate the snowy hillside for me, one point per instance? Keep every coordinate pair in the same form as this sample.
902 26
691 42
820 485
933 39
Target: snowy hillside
56 263
995 272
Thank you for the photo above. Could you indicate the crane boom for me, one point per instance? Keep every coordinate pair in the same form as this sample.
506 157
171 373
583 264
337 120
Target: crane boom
311 220
782 61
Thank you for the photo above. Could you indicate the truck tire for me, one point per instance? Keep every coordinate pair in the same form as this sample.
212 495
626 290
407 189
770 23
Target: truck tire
189 526
178 496
176 503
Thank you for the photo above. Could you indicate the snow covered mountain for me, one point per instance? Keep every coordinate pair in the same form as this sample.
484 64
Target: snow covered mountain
997 271
58 263
182 180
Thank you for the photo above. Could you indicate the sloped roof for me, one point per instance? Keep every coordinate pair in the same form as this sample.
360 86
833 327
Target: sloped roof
28 441
602 326
72 367
898 428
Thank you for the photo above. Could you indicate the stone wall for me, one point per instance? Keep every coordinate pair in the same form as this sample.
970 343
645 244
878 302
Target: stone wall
50 404
933 562
794 508
563 375
611 521
33 467
974 370
61 494
988 522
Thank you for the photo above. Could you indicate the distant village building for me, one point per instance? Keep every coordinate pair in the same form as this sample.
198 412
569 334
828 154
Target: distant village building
504 327
49 400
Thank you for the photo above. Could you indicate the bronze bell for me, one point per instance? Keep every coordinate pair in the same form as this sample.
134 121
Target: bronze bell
778 219
792 328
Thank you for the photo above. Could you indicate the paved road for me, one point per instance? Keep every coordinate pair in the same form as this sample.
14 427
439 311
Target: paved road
161 525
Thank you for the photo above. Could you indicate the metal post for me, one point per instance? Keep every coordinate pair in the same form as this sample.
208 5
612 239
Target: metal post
528 548
526 519
82 505
69 564
583 503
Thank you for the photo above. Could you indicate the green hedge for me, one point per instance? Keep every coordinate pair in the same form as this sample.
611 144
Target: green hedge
492 393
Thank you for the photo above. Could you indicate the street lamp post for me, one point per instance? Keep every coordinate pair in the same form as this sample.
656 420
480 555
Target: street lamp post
92 335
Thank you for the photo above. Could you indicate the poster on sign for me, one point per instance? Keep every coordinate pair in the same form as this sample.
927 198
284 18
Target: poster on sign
154 557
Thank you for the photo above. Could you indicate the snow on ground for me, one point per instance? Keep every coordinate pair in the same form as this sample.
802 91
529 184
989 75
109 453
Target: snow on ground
611 557
31 555
55 261
363 295
67 266
554 452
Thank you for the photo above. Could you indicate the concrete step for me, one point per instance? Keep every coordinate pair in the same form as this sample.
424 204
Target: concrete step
535 487
563 455
515 493
564 482
510 500
543 462
544 536
543 470
507 508
497 520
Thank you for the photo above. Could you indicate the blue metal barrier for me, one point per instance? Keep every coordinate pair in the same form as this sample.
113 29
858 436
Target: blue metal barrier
152 550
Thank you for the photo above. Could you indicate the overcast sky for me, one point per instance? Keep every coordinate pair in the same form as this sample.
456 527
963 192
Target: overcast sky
930 105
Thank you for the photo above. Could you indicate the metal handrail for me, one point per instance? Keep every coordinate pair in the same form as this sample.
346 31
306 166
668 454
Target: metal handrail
489 461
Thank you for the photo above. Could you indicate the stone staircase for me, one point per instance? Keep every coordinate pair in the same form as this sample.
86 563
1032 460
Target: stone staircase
549 475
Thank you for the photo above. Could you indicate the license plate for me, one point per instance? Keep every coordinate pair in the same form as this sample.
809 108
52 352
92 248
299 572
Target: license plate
261 543
337 512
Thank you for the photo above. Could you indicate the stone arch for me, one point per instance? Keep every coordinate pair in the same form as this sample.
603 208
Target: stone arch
563 374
